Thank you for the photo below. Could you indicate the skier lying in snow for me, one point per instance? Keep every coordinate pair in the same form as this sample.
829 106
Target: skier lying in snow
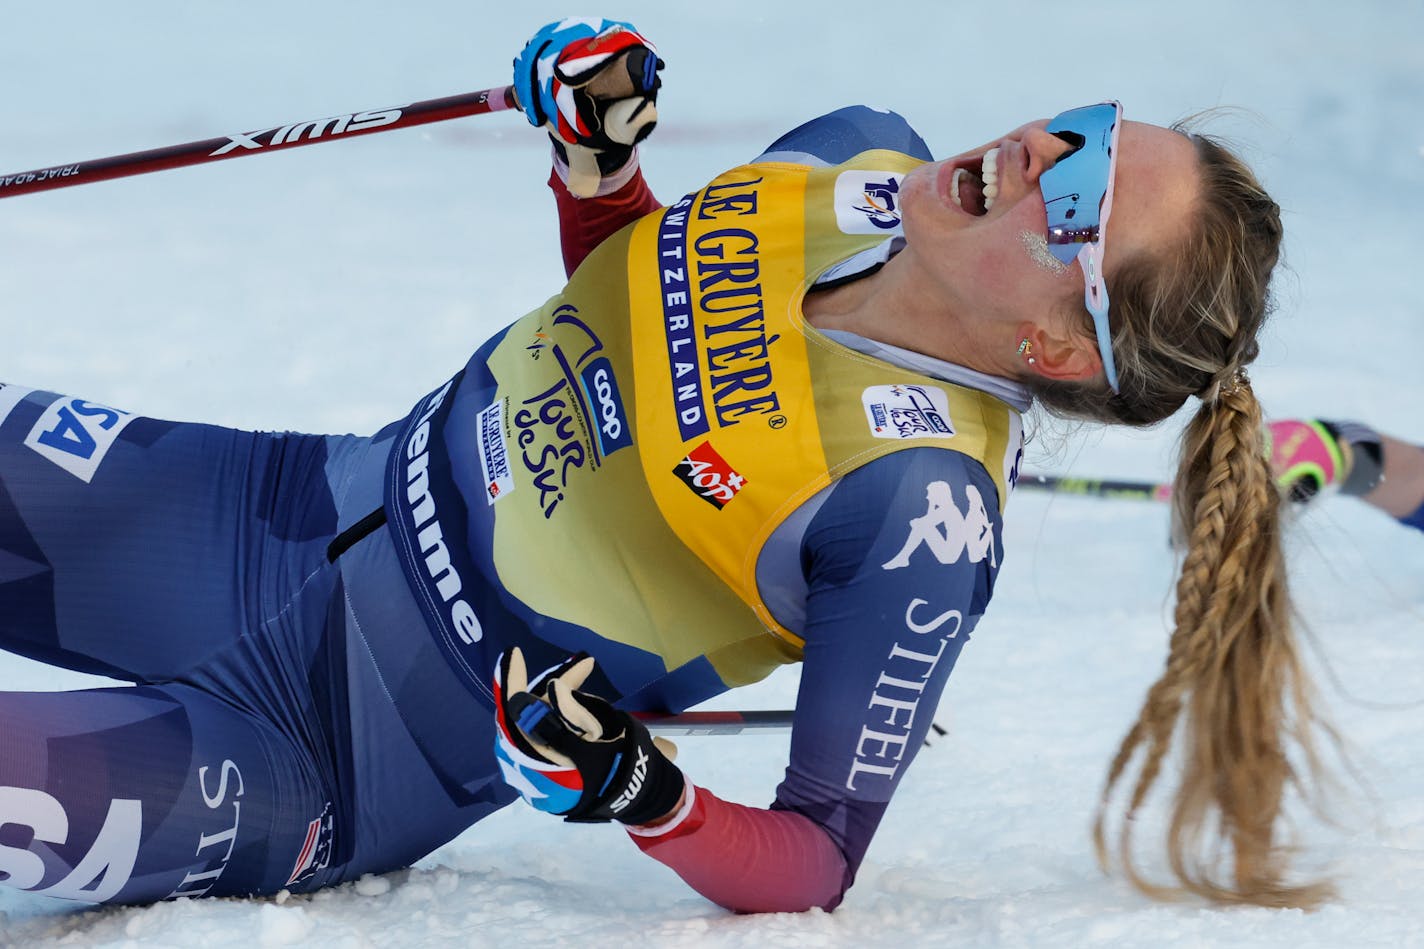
777 421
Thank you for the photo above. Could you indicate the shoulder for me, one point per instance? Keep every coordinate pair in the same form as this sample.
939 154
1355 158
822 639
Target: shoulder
885 509
840 135
904 477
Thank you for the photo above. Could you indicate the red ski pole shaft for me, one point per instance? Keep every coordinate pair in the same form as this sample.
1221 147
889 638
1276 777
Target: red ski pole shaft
278 137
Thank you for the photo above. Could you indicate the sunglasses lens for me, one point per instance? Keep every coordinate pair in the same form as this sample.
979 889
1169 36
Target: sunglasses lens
1074 188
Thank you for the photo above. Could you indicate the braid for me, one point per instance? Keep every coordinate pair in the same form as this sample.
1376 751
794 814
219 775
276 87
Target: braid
1233 692
1232 681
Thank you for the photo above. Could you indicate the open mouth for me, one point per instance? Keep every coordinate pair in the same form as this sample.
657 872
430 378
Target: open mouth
973 189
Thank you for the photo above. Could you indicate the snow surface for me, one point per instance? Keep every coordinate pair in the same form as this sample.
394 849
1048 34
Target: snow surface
326 289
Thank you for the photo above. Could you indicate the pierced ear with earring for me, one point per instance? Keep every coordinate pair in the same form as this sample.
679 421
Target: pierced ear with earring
1026 350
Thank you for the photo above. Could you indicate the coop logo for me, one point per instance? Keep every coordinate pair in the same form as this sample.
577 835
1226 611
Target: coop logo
867 202
901 412
316 128
600 389
709 476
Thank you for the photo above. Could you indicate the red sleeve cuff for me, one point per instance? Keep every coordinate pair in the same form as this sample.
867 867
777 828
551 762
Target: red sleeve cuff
748 859
585 222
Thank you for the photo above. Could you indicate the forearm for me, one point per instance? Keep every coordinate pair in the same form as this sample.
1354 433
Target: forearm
748 859
585 222
1401 490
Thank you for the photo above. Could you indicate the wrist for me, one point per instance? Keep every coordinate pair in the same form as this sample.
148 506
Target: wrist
587 173
670 821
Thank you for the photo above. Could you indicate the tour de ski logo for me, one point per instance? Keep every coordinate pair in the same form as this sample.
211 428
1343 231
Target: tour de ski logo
867 202
907 411
709 476
576 422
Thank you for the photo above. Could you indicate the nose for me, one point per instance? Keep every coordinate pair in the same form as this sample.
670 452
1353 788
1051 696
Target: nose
1045 149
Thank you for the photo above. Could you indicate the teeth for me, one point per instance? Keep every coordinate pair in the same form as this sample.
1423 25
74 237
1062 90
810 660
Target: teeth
991 177
959 174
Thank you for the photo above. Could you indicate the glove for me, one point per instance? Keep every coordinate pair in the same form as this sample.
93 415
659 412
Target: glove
593 84
573 754
1310 455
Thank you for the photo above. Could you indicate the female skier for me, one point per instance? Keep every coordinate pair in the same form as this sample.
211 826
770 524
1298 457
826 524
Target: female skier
776 421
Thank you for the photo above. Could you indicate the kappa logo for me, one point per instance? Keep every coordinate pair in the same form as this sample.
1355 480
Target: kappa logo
946 531
867 202
709 476
907 411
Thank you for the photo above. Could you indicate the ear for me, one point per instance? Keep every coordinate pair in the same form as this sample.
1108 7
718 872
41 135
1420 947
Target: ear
1060 355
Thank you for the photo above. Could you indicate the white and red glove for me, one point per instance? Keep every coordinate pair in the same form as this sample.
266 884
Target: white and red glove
571 753
593 84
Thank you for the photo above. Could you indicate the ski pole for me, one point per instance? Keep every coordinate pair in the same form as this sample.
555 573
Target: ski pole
734 723
715 723
291 135
1098 487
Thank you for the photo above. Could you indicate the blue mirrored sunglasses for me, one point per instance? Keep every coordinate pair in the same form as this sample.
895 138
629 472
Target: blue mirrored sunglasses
1078 191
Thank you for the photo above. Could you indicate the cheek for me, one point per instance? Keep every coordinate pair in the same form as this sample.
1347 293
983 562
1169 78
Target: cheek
1016 268
1036 246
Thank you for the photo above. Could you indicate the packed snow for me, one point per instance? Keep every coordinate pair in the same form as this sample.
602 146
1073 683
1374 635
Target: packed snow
327 288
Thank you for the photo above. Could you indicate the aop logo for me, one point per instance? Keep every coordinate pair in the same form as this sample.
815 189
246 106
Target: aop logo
948 533
868 202
709 476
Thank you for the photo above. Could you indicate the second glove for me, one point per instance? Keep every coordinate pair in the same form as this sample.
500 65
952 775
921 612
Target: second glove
601 754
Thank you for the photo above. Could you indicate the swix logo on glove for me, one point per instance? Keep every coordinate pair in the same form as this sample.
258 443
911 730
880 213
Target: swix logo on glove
635 783
572 753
